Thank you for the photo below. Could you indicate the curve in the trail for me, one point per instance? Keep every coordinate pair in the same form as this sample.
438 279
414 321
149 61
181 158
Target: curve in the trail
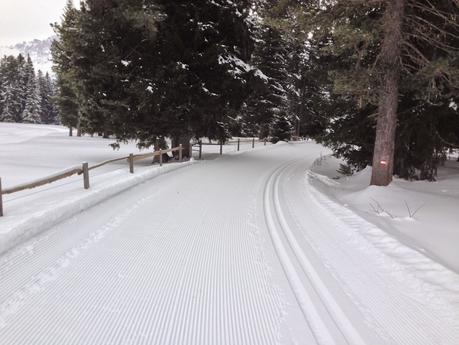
374 296
236 251
182 259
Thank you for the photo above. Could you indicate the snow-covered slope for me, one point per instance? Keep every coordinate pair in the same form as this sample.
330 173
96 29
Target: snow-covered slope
421 214
28 152
237 250
39 51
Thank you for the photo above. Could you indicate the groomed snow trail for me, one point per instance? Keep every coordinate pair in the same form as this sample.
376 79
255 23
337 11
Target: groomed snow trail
239 250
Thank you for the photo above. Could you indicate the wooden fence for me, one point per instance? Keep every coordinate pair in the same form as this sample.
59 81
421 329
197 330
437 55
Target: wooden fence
84 170
200 144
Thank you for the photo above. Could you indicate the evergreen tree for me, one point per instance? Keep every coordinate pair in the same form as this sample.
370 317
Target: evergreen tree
376 67
281 128
31 112
177 70
269 97
47 110
63 53
201 81
31 106
12 98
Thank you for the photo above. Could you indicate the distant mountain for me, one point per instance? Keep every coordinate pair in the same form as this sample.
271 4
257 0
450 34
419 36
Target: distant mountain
39 51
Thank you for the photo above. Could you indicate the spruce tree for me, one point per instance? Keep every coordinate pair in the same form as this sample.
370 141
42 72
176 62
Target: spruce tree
206 49
47 110
281 128
31 112
12 97
64 58
383 53
178 69
269 97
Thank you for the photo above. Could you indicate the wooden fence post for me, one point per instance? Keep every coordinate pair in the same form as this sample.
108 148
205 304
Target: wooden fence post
253 143
131 163
160 157
221 147
86 175
238 144
180 153
200 149
1 199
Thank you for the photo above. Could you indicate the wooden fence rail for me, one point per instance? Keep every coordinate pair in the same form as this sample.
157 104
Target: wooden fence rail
84 170
200 144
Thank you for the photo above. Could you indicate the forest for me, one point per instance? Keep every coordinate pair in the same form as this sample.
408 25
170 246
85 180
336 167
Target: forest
377 81
26 96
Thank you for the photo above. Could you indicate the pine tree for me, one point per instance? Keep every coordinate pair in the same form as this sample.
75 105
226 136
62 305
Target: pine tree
47 110
12 97
206 49
178 70
382 53
270 90
31 112
64 57
281 128
32 109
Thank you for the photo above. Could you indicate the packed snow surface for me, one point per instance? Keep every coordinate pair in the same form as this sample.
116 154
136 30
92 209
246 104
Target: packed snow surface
244 249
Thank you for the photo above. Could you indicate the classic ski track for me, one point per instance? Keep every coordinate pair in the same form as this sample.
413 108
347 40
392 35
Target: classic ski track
383 288
234 271
290 252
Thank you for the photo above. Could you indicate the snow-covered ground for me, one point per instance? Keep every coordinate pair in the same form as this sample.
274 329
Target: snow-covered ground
423 215
245 249
30 152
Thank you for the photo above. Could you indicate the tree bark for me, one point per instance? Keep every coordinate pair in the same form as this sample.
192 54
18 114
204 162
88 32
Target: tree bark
389 67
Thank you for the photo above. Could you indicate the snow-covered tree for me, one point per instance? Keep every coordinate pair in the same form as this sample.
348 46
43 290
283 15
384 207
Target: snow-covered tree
62 50
47 110
178 68
31 112
11 97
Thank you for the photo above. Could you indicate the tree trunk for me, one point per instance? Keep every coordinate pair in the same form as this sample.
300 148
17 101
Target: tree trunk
183 139
389 67
70 132
79 127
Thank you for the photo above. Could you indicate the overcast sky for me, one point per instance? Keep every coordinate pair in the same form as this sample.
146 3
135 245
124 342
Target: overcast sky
24 20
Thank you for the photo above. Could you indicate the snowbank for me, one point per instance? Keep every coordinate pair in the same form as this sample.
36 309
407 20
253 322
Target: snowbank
22 224
13 133
422 215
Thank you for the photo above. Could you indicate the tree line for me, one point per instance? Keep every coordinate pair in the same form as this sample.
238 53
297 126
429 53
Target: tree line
377 81
153 69
388 73
25 96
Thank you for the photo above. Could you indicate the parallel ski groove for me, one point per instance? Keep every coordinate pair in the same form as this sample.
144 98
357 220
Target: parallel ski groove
386 302
214 255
